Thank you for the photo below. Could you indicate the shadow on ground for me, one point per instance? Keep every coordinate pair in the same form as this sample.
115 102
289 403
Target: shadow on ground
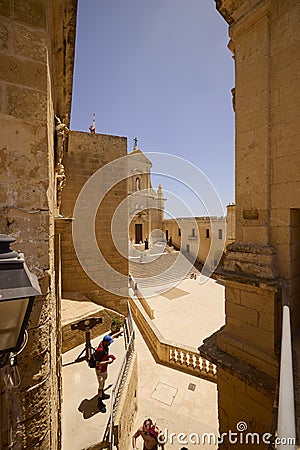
89 407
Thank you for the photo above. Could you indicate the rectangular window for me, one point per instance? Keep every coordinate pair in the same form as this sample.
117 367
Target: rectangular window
207 233
179 231
220 233
193 232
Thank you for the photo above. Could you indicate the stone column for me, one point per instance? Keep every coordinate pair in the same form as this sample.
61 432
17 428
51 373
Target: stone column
246 349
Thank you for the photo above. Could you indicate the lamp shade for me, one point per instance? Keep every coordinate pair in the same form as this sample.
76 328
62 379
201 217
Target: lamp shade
18 288
12 319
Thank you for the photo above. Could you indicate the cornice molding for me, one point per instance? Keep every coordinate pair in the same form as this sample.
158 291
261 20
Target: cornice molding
247 17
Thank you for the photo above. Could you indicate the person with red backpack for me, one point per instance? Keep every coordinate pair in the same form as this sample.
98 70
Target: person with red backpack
103 358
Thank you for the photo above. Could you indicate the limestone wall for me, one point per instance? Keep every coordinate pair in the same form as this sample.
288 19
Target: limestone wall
173 231
198 242
30 415
128 407
266 51
264 40
75 311
87 153
252 330
267 108
243 402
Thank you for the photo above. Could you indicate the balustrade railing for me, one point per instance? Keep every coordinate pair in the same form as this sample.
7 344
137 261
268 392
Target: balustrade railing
134 286
176 356
192 362
117 389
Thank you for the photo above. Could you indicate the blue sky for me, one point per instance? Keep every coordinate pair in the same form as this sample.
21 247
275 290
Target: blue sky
159 70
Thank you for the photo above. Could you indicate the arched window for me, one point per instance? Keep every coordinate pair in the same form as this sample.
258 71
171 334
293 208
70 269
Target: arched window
137 184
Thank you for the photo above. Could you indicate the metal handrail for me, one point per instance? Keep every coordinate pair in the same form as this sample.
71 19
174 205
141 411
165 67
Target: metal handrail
120 377
286 426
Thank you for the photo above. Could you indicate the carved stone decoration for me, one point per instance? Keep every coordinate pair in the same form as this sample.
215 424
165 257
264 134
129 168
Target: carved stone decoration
233 98
62 132
60 183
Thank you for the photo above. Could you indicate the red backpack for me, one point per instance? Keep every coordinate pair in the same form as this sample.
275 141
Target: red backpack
103 367
93 360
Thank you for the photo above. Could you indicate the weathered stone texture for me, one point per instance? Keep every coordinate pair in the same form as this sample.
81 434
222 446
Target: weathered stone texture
31 13
128 406
5 8
4 36
30 44
27 104
244 394
268 48
27 199
27 73
265 43
87 154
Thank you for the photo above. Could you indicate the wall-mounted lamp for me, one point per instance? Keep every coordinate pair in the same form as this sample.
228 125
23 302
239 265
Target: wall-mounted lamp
18 288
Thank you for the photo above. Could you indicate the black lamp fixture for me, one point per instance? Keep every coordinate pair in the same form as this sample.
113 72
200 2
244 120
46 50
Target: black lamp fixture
18 288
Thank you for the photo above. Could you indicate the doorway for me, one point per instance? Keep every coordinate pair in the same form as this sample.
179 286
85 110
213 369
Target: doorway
138 233
167 235
295 269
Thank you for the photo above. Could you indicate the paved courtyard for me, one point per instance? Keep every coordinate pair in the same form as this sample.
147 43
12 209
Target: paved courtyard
181 403
177 402
189 312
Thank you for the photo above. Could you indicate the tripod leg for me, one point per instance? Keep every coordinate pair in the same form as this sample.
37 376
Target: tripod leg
87 351
88 346
80 354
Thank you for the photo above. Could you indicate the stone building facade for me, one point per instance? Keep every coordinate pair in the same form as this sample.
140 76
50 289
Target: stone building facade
204 238
264 40
39 158
36 68
146 206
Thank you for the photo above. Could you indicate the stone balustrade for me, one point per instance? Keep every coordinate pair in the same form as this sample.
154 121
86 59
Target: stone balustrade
165 352
141 298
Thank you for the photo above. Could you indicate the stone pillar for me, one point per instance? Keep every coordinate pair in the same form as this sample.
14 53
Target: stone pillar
246 349
161 205
250 36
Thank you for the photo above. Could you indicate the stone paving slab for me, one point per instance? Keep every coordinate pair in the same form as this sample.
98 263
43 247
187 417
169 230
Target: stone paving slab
164 393
82 423
189 318
189 412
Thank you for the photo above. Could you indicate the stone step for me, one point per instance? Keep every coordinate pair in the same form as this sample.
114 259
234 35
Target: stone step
164 270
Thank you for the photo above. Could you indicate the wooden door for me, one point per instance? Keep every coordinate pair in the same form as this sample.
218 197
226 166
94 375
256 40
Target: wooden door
138 233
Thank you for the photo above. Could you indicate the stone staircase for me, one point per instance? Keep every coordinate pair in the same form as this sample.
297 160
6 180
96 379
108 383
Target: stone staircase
166 269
